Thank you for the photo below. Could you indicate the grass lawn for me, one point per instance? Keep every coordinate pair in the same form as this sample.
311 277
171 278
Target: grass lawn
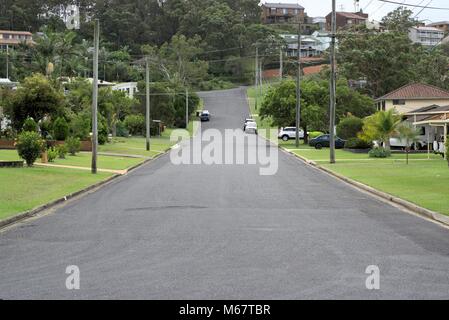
23 189
83 160
137 145
423 182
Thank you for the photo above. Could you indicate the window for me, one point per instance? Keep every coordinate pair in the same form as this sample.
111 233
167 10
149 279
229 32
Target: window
398 102
285 11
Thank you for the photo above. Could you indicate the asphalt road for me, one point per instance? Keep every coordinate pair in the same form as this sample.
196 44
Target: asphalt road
225 232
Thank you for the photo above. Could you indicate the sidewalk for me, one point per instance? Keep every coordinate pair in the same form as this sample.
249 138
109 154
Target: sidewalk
120 172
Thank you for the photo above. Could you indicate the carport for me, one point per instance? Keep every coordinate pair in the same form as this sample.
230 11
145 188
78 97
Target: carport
440 124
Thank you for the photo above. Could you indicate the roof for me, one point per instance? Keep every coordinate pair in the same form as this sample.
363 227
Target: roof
16 32
416 91
438 23
428 113
421 28
351 15
282 5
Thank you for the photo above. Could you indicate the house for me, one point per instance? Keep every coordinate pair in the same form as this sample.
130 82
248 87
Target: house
433 122
130 88
427 36
346 19
6 83
310 46
282 13
413 96
13 38
442 25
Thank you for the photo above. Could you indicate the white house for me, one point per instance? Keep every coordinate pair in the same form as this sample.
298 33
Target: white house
130 88
427 36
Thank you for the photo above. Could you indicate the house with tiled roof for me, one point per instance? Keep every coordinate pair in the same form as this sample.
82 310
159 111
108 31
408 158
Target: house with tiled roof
412 97
347 19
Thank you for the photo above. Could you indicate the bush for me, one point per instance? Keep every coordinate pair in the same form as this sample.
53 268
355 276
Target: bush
73 145
60 129
30 125
215 84
121 129
62 151
357 143
102 132
379 152
52 154
315 134
135 124
349 127
80 126
29 146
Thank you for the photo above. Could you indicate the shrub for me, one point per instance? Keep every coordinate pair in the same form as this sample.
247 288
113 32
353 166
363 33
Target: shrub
30 125
379 152
60 129
102 132
122 131
80 126
349 127
52 154
357 143
73 145
447 149
29 146
135 124
315 134
62 151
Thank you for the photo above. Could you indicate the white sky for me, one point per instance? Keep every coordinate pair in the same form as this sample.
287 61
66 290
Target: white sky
376 9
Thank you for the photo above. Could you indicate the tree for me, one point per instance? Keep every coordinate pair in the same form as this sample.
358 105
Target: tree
349 127
399 20
29 146
408 133
381 126
35 98
279 104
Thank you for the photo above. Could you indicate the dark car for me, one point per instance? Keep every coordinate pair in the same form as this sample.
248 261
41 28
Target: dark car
205 116
324 141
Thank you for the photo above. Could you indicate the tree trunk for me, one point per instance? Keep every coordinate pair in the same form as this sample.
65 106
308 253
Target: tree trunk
387 144
306 135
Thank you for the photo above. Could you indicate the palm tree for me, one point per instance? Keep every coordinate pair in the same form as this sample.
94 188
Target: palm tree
386 125
410 134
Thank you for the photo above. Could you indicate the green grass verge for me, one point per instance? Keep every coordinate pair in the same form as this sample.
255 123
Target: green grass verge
23 189
424 181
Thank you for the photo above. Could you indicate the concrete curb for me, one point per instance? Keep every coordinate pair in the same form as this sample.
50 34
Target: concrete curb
426 213
33 212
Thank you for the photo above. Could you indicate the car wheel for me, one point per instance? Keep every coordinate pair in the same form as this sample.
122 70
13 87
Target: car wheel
318 146
285 138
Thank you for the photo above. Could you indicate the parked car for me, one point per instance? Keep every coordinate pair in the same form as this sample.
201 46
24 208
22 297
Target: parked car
290 133
251 127
248 121
324 141
205 116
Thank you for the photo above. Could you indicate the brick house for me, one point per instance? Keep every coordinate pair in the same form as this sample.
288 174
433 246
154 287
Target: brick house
282 12
346 19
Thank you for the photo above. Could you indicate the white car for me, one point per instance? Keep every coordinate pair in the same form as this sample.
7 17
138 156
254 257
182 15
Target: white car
251 127
290 133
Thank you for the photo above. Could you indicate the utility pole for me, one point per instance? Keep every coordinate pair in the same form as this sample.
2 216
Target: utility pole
298 86
333 80
281 60
256 76
95 97
147 89
187 108
260 79
7 61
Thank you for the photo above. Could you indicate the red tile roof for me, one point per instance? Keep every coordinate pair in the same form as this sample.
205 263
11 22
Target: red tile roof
417 91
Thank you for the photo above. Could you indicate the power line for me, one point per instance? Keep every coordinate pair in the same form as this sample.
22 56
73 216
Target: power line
414 5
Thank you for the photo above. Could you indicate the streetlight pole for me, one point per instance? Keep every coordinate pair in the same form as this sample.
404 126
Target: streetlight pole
281 62
256 76
7 61
298 86
333 80
95 97
147 89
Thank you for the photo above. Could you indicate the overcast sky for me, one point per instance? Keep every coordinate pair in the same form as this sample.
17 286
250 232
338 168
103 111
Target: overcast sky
375 8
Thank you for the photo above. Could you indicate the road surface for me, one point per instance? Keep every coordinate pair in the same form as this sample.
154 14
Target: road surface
225 232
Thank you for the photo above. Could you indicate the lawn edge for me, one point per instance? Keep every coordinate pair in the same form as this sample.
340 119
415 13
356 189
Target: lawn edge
8 222
421 211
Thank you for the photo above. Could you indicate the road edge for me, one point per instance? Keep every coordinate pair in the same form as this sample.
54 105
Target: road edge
11 221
